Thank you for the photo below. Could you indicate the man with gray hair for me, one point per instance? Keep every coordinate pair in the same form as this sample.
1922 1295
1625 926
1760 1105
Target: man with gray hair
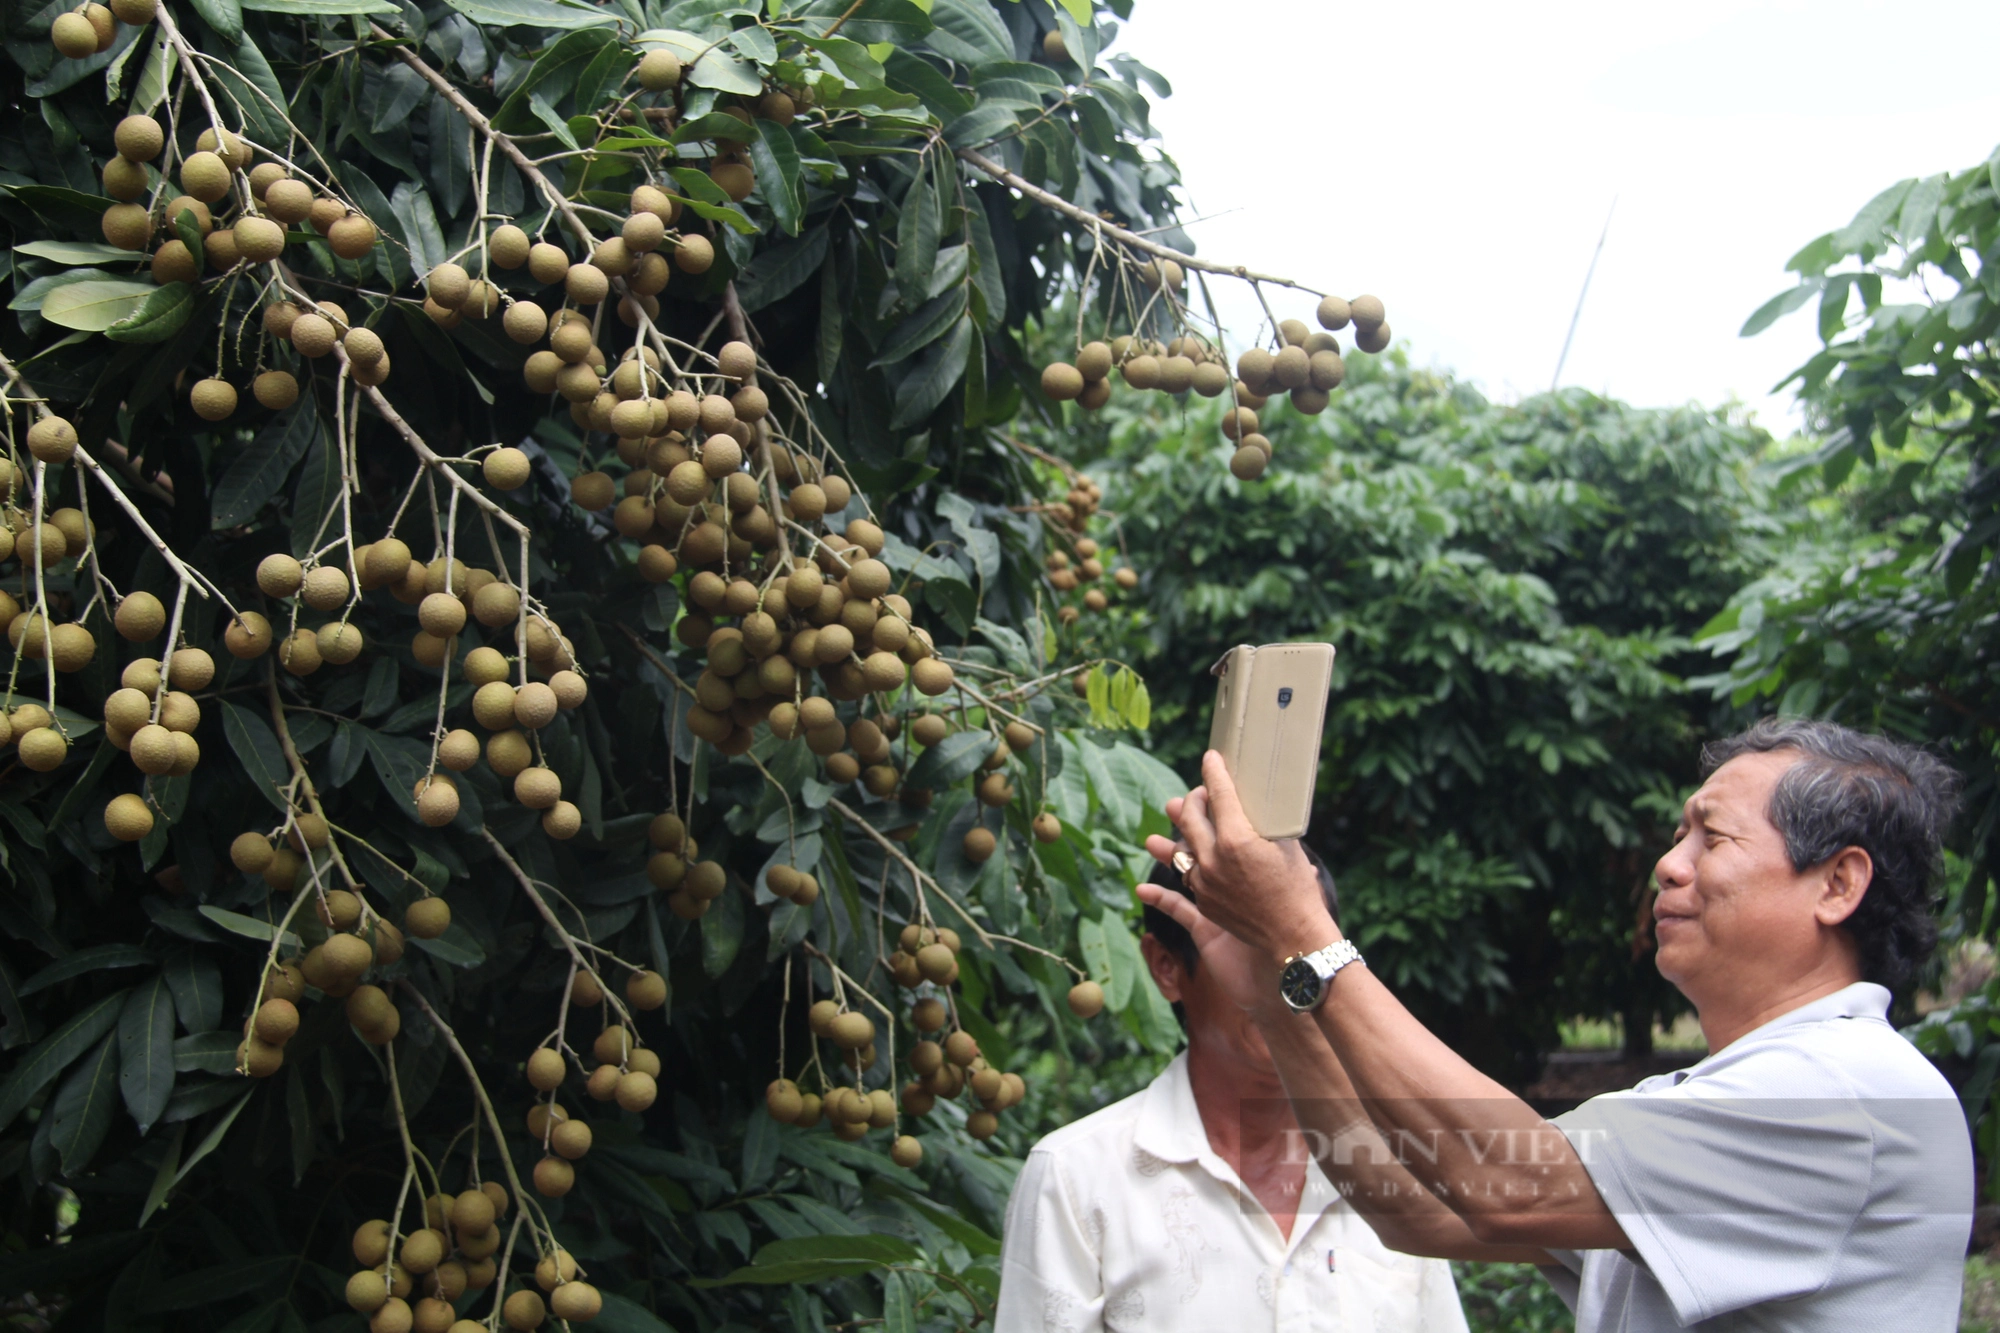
1812 1173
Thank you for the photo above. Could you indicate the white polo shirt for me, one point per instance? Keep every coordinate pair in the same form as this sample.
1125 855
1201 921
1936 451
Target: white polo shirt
1127 1219
1815 1176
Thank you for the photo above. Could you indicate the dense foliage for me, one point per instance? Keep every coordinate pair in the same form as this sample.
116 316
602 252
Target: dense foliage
524 750
1512 591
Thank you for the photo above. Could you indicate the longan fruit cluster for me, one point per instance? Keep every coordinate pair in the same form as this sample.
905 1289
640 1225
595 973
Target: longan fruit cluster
675 869
1307 365
1067 575
260 205
91 29
453 1253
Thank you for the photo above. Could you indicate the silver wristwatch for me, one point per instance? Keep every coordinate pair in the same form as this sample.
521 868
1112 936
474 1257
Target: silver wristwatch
1304 981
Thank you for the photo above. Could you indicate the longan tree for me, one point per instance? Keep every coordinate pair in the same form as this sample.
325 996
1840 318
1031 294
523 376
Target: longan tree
555 758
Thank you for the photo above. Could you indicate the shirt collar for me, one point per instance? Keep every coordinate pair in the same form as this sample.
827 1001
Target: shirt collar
1170 1125
1170 1130
1864 999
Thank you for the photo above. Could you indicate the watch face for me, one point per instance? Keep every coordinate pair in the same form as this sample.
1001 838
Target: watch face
1300 985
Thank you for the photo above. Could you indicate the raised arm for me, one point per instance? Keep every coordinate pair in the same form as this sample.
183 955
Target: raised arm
1510 1175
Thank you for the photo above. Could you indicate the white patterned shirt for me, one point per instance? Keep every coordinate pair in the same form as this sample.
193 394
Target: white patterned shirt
1129 1220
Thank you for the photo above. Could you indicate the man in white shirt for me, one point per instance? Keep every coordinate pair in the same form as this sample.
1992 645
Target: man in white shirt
1813 1174
1194 1205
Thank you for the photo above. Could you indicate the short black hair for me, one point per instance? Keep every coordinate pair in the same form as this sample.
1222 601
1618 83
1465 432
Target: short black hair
1175 936
1853 789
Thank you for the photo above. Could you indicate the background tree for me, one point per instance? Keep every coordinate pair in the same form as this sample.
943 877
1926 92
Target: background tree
1512 591
523 607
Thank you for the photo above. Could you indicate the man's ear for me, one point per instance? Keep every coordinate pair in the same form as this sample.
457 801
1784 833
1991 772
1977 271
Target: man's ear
1169 973
1844 883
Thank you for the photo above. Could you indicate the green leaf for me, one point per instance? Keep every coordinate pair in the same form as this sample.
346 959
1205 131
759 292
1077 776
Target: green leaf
981 125
953 759
932 377
788 1274
258 751
159 317
103 957
309 8
156 76
95 304
457 946
196 983
80 1113
249 927
54 1053
64 206
775 159
77 252
898 1314
206 1053
531 13
969 31
623 1315
554 73
225 16
872 21
917 235
922 327
1778 306
722 933
776 273
1092 943
871 1248
254 85
146 1051
256 476
913 74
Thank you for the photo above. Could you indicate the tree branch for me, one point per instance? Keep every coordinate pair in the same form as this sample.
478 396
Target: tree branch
1130 239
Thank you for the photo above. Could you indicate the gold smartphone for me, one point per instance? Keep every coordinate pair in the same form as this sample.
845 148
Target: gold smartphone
1270 708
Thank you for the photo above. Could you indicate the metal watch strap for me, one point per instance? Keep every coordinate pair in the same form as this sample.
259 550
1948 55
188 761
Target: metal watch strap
1326 964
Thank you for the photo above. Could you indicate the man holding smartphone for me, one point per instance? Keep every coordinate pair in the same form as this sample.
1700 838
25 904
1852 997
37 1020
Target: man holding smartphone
1812 1173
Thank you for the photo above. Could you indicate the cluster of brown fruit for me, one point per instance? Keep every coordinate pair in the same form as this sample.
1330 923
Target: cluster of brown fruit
335 966
947 1068
271 201
90 29
1067 575
627 1073
659 71
451 1255
1307 366
690 884
639 255
851 1111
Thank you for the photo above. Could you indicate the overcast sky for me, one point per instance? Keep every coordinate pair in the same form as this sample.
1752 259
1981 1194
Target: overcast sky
1458 160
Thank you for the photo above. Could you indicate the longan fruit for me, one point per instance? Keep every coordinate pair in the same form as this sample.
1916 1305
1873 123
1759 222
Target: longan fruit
1086 999
507 246
351 237
204 176
1061 381
127 817
658 71
274 389
427 918
139 138
694 254
288 201
1248 462
248 637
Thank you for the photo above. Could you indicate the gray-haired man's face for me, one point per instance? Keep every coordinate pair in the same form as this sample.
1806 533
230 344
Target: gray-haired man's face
1731 909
